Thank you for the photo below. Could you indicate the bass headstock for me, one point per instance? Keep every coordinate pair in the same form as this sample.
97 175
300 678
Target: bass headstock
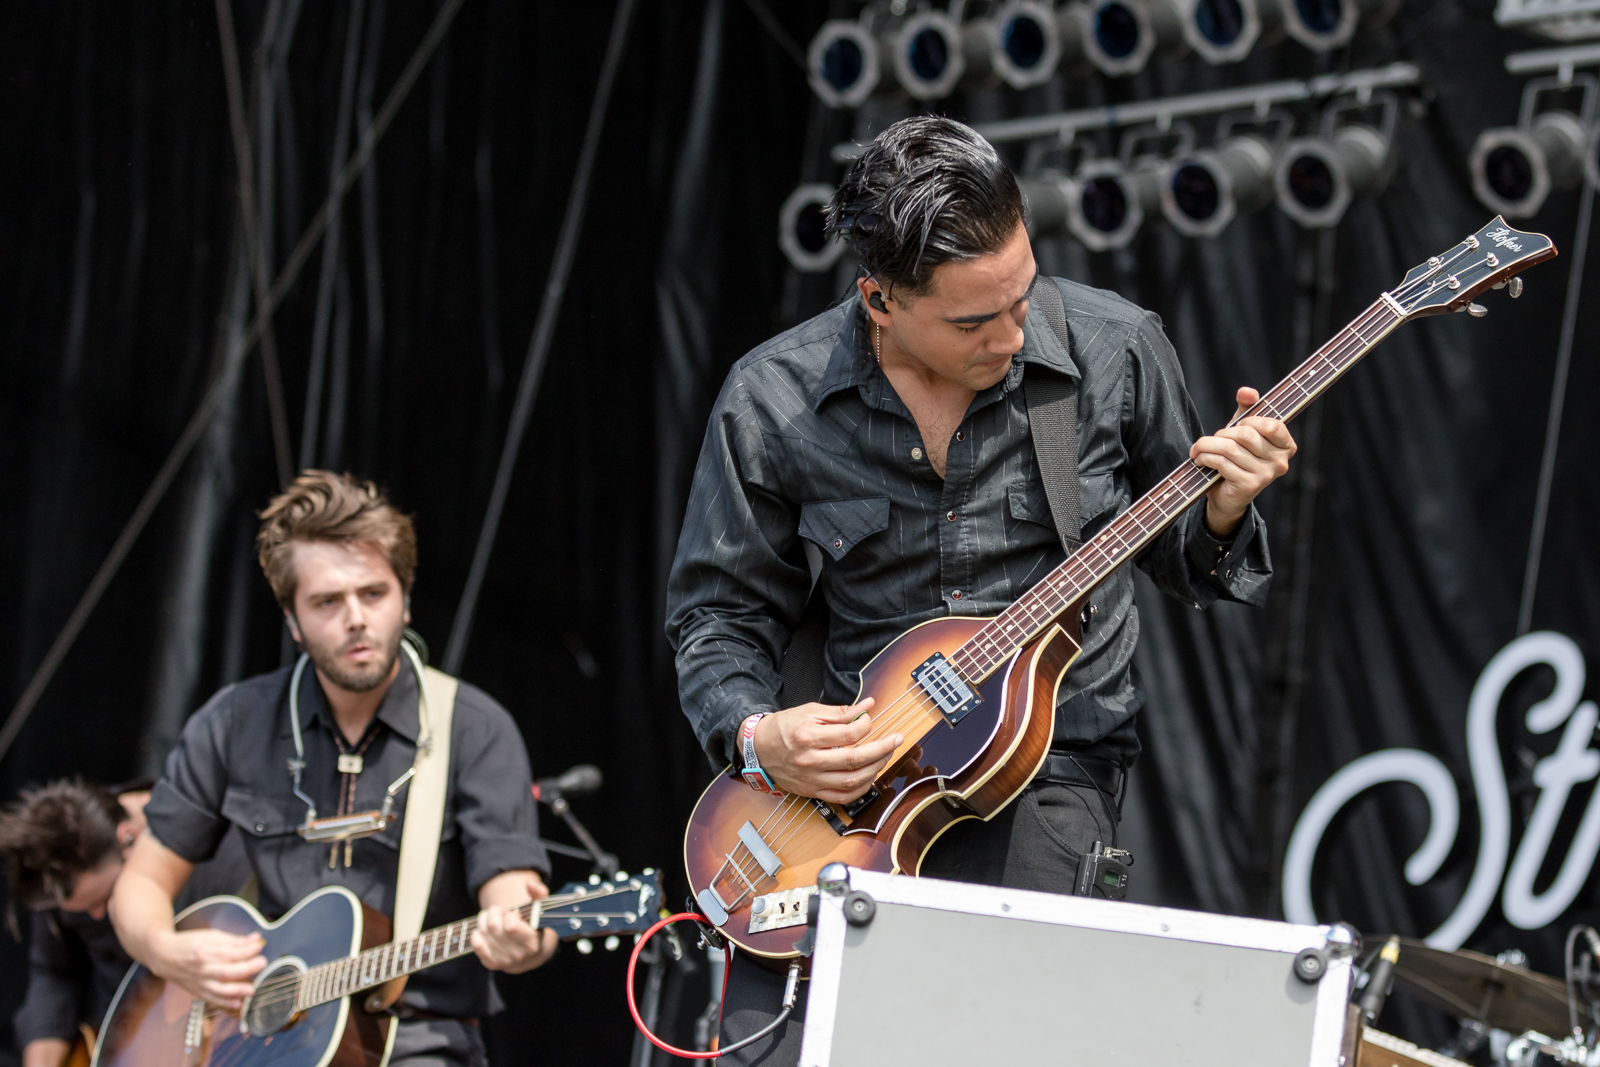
1489 259
604 907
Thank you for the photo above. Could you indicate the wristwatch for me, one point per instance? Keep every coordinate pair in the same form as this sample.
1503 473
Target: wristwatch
753 772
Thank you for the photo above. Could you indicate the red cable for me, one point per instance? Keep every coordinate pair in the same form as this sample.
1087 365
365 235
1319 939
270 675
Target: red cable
633 1007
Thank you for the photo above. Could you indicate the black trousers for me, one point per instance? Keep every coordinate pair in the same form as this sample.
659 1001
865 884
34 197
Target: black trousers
1034 843
440 1043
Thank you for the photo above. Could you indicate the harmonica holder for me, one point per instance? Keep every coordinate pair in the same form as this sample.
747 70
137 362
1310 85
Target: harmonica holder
362 823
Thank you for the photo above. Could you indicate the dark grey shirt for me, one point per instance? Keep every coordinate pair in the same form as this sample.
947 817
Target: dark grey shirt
809 442
230 767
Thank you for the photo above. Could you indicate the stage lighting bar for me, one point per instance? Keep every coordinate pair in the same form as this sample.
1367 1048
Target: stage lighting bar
1563 61
1515 168
1063 125
1318 177
802 233
1563 20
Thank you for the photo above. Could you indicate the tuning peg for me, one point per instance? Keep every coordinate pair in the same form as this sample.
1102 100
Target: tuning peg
612 942
1477 311
585 946
1514 288
622 876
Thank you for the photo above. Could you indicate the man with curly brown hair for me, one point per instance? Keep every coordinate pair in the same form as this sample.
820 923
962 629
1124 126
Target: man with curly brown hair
341 561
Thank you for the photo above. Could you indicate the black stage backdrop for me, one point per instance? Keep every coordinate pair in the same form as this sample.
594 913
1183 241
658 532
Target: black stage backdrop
1401 538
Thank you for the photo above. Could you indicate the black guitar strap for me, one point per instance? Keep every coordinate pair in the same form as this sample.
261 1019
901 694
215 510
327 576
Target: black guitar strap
1052 402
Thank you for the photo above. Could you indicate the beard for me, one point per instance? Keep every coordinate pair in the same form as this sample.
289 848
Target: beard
330 664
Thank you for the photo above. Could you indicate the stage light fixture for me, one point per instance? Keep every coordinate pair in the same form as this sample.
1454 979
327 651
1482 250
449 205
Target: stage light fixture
928 54
802 230
1025 38
1201 192
1318 177
1107 202
842 63
1323 25
1515 168
1221 31
1120 36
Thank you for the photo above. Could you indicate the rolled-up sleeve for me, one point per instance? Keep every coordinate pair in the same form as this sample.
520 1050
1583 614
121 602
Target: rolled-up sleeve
185 807
492 793
739 580
1161 422
55 986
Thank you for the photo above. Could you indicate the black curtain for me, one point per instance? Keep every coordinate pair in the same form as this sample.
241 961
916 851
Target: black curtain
1400 538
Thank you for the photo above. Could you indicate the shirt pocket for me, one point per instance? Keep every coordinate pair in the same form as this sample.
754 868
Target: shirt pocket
1097 502
262 816
869 575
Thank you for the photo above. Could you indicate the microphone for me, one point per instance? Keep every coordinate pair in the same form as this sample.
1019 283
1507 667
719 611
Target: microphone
1379 981
577 781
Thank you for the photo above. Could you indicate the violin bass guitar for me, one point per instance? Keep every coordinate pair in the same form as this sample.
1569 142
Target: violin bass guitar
974 698
305 1010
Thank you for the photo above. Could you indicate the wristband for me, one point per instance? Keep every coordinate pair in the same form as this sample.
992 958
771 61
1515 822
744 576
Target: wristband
753 773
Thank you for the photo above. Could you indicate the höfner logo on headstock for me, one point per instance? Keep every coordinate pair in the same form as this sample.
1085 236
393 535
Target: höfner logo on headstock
1505 238
1571 764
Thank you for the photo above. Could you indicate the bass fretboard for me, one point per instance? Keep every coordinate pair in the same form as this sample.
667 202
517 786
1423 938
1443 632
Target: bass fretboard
1126 535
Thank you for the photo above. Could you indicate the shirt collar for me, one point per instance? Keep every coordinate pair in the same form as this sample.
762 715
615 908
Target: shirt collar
852 363
398 711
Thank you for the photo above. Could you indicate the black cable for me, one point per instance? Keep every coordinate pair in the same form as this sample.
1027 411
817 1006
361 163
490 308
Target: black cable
1104 801
746 1042
544 328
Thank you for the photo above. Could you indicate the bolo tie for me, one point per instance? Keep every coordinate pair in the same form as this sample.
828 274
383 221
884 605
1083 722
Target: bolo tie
350 764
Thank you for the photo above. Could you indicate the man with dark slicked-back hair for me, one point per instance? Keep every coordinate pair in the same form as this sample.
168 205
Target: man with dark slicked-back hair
890 434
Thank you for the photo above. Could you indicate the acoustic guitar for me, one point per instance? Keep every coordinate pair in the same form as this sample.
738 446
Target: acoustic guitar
300 1012
974 698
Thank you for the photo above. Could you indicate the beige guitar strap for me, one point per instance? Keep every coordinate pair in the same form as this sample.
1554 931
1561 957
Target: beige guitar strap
424 818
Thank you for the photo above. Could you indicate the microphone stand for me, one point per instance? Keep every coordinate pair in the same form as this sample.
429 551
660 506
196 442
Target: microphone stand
656 958
605 863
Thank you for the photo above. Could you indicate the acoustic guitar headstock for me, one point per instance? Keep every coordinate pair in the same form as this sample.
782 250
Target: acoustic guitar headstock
604 907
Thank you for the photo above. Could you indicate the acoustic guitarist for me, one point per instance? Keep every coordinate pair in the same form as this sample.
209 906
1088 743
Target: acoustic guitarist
892 434
64 845
341 560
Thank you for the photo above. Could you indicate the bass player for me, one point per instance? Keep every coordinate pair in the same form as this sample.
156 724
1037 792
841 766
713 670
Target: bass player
891 433
341 559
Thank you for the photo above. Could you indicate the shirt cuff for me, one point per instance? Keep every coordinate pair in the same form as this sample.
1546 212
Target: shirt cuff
1212 556
724 736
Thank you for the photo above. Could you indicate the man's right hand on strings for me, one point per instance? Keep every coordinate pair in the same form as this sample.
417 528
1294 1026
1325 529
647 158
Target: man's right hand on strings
825 751
214 966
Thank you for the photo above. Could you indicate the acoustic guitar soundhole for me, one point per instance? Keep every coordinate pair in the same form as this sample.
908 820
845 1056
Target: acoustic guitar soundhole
271 1007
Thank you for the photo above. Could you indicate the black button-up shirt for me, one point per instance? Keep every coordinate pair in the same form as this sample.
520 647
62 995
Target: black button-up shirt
231 767
808 441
